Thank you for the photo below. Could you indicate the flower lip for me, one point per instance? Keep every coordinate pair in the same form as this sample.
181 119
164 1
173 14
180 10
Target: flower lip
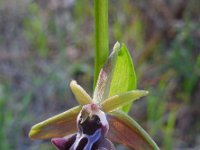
92 127
64 143
84 142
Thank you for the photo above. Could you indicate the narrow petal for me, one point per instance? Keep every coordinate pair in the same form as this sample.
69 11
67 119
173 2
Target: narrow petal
120 100
125 130
104 80
80 94
58 126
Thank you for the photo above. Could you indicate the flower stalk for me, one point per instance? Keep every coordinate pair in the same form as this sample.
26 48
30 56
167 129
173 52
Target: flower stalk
101 35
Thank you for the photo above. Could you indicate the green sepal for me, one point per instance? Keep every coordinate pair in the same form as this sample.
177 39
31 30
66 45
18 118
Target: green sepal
58 126
125 130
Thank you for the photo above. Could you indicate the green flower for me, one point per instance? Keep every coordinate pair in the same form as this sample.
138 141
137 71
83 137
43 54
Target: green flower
99 120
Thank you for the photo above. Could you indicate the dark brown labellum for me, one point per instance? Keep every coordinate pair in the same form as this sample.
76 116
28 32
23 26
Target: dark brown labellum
92 126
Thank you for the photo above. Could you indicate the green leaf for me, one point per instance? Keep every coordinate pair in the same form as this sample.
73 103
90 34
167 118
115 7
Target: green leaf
125 130
105 76
120 100
123 78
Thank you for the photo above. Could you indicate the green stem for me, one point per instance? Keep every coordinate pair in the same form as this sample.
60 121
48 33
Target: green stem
101 35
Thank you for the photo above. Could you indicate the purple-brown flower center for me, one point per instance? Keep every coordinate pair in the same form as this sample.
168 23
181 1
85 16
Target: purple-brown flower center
92 127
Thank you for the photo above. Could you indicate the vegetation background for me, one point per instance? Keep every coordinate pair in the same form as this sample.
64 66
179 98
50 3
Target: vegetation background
44 44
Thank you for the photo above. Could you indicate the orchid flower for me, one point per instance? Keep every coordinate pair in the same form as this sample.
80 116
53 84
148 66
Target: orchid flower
96 121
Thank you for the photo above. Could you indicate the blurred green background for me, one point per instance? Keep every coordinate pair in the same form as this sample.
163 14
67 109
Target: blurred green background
44 44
